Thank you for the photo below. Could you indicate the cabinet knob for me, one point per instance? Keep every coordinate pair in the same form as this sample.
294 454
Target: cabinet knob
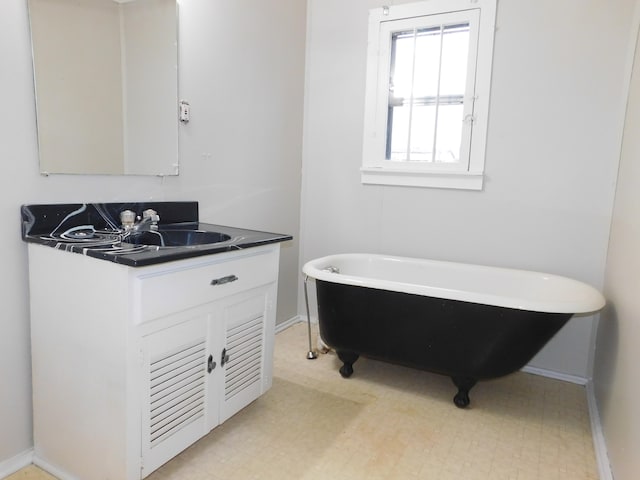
224 358
211 365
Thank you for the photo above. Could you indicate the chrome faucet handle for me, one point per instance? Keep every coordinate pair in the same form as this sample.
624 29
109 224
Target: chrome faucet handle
152 217
127 218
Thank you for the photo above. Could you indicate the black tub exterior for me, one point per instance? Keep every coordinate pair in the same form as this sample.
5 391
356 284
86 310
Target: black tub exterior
466 341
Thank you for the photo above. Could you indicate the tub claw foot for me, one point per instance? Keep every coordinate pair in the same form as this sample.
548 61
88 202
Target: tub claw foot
346 370
348 359
464 384
461 399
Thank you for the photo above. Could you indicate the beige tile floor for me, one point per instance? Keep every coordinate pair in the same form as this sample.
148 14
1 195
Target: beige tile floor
389 422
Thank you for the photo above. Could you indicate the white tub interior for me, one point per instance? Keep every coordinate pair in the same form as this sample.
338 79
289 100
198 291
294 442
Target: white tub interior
511 288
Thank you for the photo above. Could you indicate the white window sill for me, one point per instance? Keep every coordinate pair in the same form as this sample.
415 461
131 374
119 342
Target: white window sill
421 178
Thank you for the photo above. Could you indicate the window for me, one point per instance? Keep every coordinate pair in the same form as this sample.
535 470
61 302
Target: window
427 95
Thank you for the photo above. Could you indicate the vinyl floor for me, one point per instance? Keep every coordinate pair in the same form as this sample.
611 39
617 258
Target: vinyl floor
390 422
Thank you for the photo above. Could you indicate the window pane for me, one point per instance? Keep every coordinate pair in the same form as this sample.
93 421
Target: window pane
455 51
423 125
426 94
402 64
422 132
427 61
449 134
398 137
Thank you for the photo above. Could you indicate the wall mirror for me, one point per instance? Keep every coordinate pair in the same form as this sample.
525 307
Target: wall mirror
106 85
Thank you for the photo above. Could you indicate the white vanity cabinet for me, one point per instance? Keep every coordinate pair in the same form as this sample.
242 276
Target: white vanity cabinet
132 365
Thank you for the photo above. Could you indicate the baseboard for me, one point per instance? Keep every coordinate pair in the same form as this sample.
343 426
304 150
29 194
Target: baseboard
543 372
287 323
303 318
52 469
599 444
12 465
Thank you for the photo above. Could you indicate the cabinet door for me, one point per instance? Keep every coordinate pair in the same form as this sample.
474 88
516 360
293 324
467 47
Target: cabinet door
246 319
174 390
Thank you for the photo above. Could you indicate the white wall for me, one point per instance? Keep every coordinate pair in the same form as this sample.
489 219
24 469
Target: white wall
251 178
554 128
616 364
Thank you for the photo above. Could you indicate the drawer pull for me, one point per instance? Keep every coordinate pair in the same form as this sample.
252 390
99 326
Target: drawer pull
223 280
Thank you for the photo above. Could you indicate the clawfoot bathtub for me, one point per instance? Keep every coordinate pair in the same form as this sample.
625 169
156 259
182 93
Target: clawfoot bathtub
468 322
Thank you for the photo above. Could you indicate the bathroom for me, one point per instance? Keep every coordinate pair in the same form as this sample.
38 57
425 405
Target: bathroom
286 154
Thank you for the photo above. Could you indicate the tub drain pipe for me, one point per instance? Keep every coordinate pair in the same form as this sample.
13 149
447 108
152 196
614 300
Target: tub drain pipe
311 354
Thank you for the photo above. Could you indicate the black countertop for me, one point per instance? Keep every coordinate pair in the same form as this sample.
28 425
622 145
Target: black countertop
94 229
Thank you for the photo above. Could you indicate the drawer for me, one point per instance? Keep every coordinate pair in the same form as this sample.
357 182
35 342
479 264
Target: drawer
187 285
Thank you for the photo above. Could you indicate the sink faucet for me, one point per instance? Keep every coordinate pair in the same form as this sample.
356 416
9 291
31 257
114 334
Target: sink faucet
133 223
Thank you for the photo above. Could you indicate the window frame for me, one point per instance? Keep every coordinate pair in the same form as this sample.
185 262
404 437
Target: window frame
383 22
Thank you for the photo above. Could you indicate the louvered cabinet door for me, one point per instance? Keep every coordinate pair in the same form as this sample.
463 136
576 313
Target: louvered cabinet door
244 358
174 393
